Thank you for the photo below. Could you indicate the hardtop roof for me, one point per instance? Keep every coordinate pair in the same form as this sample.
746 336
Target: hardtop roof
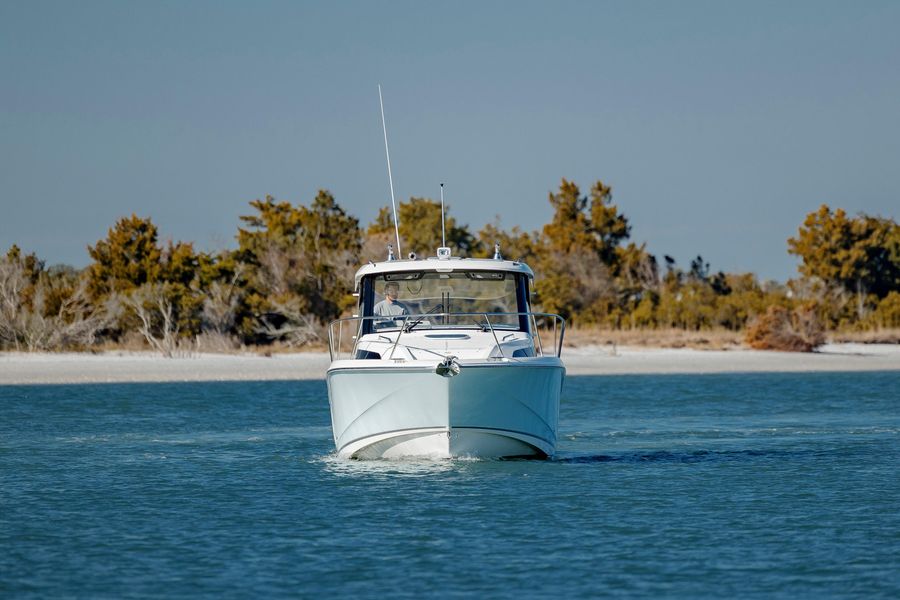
442 265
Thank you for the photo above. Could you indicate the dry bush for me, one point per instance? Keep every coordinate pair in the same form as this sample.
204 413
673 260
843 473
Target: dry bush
291 318
374 246
157 320
221 303
26 324
216 342
713 339
280 347
296 328
129 341
781 329
871 336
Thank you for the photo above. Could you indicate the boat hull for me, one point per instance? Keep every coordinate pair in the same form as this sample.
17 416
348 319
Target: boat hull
488 410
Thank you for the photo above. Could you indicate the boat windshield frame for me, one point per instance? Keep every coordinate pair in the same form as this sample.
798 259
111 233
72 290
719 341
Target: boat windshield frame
540 322
437 312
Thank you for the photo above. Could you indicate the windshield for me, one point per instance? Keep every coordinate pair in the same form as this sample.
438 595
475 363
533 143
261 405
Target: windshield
404 297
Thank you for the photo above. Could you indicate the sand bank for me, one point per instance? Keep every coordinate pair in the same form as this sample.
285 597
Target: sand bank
831 357
23 368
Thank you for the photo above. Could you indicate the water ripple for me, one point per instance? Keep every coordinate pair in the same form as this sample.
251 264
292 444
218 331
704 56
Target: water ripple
759 486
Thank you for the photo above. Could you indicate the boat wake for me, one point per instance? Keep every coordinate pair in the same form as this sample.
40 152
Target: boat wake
403 466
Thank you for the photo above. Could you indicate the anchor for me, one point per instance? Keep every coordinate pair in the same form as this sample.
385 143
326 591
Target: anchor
449 367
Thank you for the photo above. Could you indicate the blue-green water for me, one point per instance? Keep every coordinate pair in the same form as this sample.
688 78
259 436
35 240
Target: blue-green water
769 485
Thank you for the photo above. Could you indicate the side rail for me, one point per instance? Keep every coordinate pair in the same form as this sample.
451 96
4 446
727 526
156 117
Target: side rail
546 330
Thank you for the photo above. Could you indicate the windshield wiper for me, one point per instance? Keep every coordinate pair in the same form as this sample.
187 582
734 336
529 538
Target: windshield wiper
437 308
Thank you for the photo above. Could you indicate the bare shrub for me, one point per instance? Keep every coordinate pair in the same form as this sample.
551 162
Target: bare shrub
291 325
78 322
707 339
25 323
221 304
216 342
298 293
157 319
576 283
799 330
277 270
374 245
13 282
129 341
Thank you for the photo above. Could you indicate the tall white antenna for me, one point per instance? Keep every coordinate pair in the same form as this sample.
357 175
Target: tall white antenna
390 176
443 232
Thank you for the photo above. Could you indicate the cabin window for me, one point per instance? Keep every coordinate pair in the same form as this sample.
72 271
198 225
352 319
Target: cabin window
393 299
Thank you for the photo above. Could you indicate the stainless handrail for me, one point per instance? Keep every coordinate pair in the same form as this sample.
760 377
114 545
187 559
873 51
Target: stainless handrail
535 330
540 342
494 333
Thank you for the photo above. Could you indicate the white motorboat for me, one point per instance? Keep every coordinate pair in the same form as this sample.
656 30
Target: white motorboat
445 359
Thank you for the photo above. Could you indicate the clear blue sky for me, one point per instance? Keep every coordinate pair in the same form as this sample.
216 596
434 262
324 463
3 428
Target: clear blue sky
719 125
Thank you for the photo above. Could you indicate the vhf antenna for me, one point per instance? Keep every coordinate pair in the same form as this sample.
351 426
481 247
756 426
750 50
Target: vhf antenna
390 176
443 230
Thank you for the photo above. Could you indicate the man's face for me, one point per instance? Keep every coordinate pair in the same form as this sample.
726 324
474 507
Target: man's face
391 292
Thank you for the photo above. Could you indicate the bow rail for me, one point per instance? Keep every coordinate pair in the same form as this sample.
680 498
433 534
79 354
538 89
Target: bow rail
344 334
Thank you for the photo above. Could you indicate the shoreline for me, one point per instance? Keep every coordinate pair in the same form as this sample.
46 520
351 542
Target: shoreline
20 368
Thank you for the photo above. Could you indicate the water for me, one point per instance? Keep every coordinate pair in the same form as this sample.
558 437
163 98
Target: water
767 485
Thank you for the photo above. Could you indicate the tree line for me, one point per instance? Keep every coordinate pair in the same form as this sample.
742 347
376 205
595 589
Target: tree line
292 273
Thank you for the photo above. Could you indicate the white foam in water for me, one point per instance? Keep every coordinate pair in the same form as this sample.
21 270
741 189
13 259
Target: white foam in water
417 467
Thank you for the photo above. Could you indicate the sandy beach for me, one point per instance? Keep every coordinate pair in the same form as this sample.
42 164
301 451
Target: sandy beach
46 368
